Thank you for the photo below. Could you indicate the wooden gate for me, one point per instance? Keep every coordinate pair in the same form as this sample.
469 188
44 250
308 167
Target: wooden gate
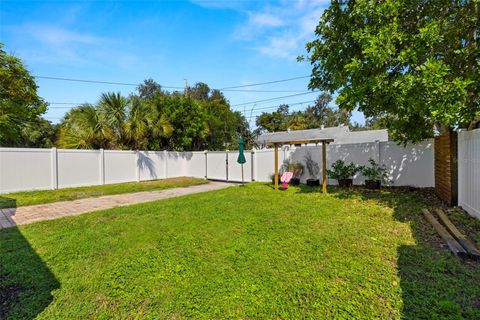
446 181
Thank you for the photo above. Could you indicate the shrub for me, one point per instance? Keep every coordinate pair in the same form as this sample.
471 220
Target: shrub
375 172
341 171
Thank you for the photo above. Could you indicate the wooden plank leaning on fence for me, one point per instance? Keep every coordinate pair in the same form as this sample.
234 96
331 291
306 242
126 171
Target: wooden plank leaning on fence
454 246
460 237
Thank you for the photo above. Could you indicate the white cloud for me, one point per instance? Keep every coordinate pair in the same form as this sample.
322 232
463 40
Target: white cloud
265 20
281 46
220 4
57 36
282 30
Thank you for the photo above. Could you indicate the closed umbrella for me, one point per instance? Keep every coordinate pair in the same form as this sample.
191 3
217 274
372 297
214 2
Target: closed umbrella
241 157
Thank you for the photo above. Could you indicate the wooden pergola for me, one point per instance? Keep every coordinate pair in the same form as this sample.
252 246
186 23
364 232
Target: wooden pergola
324 143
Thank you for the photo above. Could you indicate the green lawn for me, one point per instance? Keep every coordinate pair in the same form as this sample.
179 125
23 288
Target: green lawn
19 199
241 253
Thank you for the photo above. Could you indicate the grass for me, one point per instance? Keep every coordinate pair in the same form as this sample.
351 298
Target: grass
18 199
241 253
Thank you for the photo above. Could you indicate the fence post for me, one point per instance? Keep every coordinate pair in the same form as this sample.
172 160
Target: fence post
379 159
226 165
165 166
54 157
102 166
253 165
206 163
137 163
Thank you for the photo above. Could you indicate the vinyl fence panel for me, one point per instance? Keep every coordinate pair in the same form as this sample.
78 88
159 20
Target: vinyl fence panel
120 166
25 169
151 165
409 166
195 164
264 163
469 171
235 169
216 165
78 168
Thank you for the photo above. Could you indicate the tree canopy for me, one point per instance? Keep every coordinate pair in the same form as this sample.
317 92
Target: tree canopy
414 64
20 106
314 116
153 119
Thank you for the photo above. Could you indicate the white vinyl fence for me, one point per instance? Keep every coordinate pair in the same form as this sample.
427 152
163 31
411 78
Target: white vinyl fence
469 171
35 169
406 166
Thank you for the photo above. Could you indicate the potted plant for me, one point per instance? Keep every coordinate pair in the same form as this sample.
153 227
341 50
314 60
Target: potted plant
343 173
375 174
313 169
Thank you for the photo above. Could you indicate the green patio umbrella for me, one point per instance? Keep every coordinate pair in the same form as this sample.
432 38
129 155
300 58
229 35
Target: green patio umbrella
241 157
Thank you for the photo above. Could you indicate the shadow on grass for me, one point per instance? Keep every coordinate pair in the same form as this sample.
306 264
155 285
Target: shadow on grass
26 282
434 284
6 202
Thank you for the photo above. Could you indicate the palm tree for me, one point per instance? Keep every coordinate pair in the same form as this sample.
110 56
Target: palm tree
115 122
83 127
113 109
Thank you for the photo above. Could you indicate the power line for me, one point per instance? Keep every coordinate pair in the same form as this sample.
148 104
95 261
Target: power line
174 87
69 103
276 98
233 105
97 81
247 90
263 83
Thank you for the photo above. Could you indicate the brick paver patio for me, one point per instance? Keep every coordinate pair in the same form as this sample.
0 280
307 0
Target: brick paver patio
24 215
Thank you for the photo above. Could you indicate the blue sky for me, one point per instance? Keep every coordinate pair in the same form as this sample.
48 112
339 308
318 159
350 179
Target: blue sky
223 43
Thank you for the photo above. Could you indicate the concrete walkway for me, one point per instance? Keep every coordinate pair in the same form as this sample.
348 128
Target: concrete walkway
24 215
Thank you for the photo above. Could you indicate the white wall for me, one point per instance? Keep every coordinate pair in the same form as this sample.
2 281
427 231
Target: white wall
469 171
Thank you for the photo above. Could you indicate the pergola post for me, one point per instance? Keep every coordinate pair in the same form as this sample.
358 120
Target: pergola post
324 167
276 167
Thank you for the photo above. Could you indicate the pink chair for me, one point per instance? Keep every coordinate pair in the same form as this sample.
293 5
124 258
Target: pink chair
285 178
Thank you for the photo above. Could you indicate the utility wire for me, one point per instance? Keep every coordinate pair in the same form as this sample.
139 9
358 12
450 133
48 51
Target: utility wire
173 87
276 98
96 81
233 105
262 83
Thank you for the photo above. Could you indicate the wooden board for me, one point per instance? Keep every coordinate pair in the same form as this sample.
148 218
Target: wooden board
460 237
454 246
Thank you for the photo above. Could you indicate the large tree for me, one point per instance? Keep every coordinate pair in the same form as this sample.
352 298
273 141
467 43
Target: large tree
20 105
413 63
155 120
314 116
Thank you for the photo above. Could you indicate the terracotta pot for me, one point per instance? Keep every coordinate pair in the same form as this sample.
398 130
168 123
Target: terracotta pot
373 184
345 183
